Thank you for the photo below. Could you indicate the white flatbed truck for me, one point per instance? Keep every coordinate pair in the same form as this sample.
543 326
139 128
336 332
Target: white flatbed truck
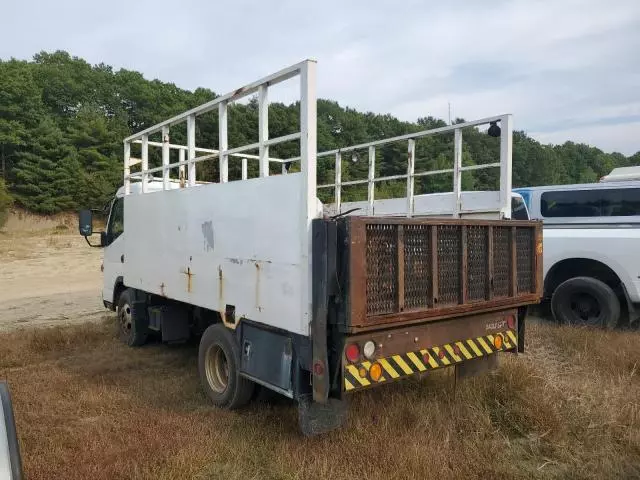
313 301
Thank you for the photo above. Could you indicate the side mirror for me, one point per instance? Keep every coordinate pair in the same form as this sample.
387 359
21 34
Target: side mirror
85 223
10 461
103 239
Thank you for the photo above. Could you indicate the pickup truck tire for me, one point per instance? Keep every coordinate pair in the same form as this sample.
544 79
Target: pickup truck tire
585 301
218 365
130 328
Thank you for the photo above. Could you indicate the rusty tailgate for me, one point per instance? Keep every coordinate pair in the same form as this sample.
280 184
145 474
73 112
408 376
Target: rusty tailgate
408 270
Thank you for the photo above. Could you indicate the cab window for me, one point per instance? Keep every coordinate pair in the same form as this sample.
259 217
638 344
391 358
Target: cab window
116 219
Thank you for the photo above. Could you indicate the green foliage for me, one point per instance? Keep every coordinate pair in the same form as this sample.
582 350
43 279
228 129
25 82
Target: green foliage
62 121
5 202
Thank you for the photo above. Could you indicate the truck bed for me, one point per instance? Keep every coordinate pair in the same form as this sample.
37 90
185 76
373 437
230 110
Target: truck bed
401 270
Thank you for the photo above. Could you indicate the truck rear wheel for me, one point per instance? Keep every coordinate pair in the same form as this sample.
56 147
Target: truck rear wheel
585 301
218 365
131 330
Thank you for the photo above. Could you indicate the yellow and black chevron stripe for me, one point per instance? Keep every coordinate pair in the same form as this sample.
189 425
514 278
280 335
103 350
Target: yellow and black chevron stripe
356 376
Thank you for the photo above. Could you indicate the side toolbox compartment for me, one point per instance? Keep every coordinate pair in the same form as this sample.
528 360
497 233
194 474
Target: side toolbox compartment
274 359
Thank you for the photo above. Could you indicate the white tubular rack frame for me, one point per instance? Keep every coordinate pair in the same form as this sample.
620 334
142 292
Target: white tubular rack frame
187 153
505 165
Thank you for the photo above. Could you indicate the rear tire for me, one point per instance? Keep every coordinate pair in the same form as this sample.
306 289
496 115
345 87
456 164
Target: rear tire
218 365
585 301
129 330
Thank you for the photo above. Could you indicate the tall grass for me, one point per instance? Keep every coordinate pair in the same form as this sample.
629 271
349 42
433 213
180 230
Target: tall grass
88 407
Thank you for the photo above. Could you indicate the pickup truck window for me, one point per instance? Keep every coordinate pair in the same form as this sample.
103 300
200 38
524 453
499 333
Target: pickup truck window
518 209
615 202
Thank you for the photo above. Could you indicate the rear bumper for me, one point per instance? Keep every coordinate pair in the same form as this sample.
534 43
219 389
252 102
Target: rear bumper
403 353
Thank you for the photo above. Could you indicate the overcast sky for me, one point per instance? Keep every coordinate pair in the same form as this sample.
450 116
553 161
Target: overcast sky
566 69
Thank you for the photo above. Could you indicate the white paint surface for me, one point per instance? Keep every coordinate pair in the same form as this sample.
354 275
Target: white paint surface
255 261
615 247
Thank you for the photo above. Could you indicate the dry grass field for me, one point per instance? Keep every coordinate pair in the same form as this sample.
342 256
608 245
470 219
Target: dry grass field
88 407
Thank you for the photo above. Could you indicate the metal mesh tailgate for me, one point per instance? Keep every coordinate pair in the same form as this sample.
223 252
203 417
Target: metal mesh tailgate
404 270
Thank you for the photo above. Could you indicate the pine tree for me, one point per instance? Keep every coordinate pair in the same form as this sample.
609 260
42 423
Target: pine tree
47 172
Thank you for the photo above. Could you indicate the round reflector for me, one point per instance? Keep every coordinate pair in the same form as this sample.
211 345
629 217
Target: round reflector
369 349
441 353
511 322
362 372
375 372
318 368
456 349
497 341
352 352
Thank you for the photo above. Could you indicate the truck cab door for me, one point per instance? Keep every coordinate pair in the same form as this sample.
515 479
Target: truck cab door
113 260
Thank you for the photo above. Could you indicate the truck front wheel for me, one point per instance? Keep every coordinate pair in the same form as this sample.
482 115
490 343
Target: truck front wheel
132 330
218 365
585 301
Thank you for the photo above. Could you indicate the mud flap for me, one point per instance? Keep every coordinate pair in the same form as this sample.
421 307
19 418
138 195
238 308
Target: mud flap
476 366
522 321
140 316
317 418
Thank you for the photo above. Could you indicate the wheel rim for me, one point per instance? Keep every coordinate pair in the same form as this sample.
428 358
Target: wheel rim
585 308
217 368
125 319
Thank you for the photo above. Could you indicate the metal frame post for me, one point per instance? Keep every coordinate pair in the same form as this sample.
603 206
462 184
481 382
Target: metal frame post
191 150
506 151
181 169
371 186
165 157
263 130
223 142
308 152
308 167
457 171
338 188
144 162
127 168
411 165
244 169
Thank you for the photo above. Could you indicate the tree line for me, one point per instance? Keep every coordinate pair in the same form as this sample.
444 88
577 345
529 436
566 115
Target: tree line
62 122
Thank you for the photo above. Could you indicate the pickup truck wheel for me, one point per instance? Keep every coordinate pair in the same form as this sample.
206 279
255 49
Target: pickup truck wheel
585 301
128 329
218 365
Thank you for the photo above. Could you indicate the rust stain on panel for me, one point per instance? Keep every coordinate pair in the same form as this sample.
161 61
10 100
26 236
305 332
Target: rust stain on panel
189 274
258 307
221 291
358 270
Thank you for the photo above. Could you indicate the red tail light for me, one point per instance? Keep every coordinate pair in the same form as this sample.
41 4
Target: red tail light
511 322
352 352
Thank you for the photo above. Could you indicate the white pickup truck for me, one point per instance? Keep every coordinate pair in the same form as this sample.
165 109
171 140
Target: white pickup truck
591 250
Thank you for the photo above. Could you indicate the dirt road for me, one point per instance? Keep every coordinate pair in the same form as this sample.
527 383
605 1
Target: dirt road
48 279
